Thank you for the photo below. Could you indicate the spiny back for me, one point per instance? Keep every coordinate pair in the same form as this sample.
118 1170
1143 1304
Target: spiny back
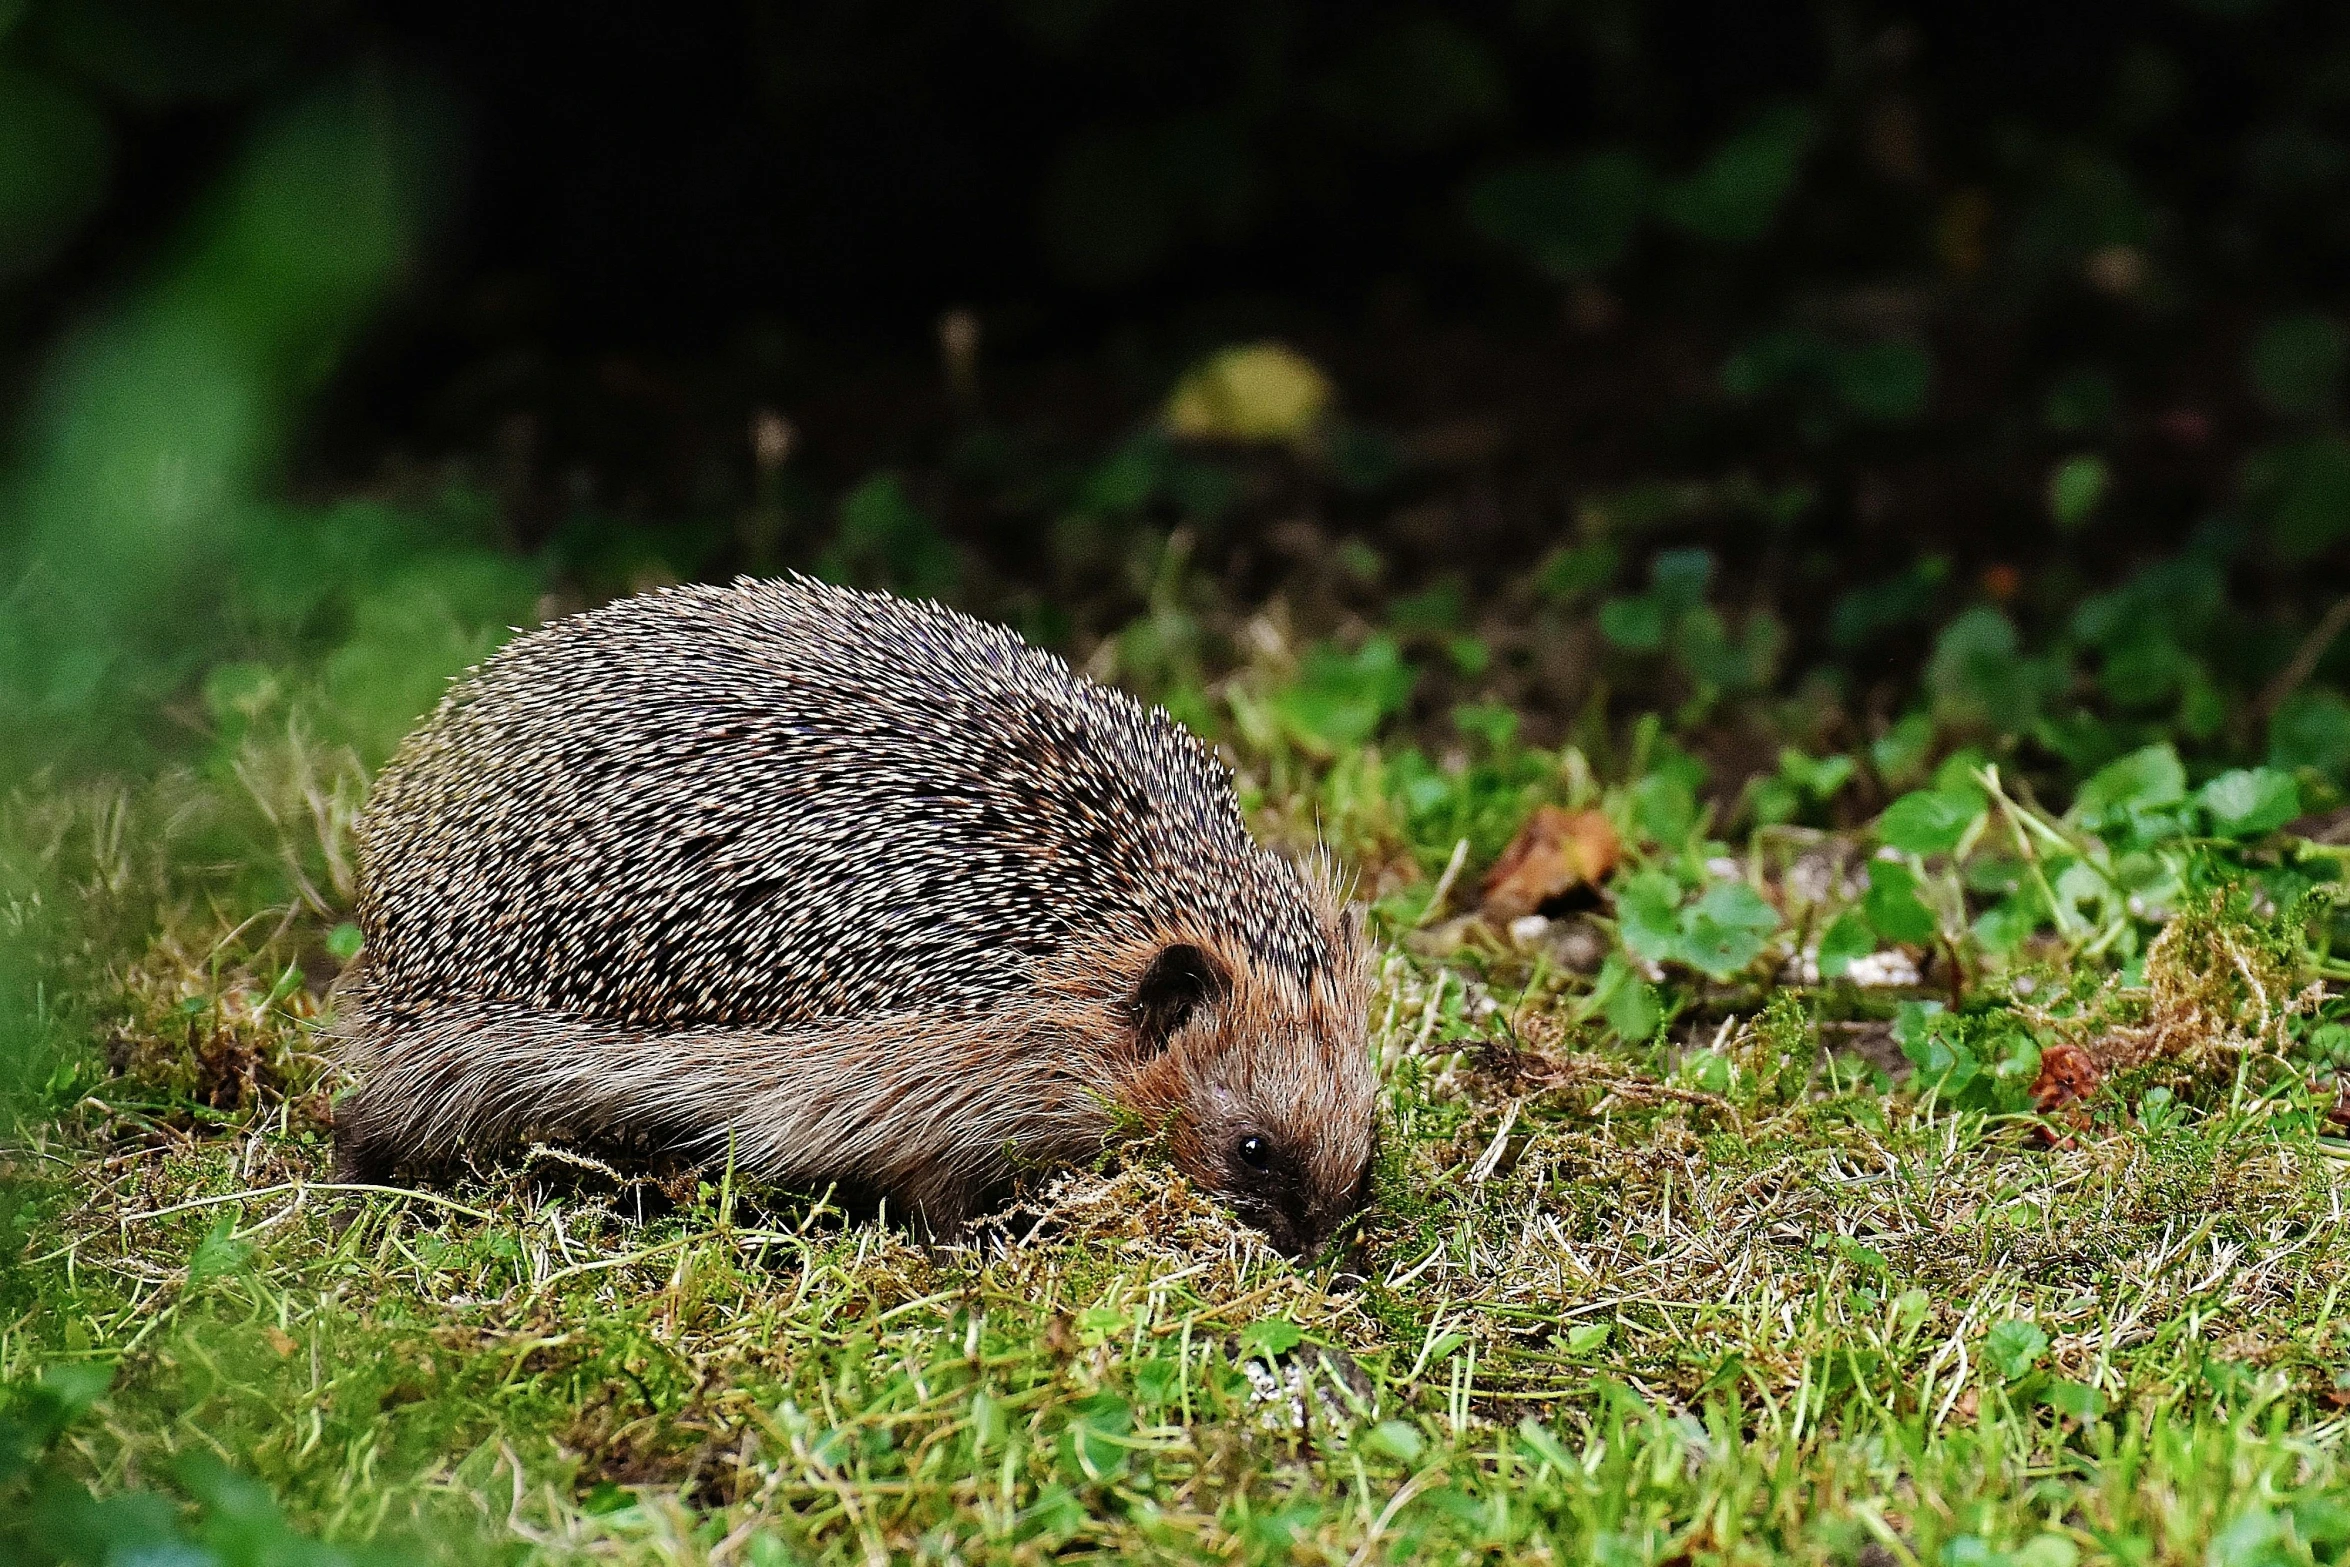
784 802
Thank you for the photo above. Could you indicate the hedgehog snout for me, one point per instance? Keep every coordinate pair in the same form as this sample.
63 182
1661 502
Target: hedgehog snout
1294 1164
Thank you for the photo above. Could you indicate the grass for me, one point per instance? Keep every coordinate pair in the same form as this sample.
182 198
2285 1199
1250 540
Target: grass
1729 1281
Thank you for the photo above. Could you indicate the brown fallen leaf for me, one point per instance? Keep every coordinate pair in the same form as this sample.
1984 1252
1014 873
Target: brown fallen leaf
1554 853
2068 1076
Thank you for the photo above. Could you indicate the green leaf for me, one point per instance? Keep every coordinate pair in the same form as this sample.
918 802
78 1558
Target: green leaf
2014 1347
1916 1020
1124 482
1394 1439
2146 779
2253 1538
606 1498
1933 1041
1088 1450
1157 1382
1850 938
343 942
1340 700
2082 403
2323 1522
1929 821
1774 360
2009 923
1567 574
1899 754
1734 197
2303 490
1636 623
1490 722
2296 363
1627 1002
1708 1071
2045 1550
1775 800
1894 907
1271 1338
1885 383
2075 488
63 1394
2246 802
2311 729
1414 80
1821 778
1713 658
1053 1517
1680 578
886 541
1587 1337
1546 1447
1098 1323
1979 674
1866 1258
2077 1399
1725 929
1569 219
1647 907
1664 809
219 1251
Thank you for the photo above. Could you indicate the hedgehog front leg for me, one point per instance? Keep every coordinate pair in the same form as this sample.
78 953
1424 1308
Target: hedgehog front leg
369 1145
939 1202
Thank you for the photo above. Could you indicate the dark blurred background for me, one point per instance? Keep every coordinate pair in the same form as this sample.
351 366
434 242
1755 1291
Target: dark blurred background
1798 370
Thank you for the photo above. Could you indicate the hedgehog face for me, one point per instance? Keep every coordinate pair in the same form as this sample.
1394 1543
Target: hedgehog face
1273 1105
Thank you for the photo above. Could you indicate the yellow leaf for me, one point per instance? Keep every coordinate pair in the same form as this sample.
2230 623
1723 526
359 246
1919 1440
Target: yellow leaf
1256 392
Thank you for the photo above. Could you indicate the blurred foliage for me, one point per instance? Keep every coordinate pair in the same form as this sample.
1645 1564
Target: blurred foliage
2152 465
138 521
1974 438
49 1519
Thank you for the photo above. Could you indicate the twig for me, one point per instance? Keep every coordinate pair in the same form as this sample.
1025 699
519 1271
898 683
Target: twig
313 1186
2305 657
1452 870
2017 820
1409 1489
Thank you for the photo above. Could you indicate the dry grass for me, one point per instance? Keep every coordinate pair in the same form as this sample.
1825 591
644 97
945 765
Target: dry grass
1596 1312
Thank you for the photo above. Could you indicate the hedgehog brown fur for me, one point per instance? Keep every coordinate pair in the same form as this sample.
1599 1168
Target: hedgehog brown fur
861 890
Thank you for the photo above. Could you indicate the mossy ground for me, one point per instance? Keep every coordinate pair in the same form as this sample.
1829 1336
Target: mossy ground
1724 1293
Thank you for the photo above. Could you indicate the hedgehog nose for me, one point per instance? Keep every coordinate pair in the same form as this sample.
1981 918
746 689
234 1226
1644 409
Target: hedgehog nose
1318 1224
1311 1226
1293 1231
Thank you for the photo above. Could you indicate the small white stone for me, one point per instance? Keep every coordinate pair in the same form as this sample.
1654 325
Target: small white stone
1722 868
1528 929
1889 967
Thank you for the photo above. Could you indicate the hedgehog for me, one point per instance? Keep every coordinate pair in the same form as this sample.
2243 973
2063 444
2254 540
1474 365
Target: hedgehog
854 892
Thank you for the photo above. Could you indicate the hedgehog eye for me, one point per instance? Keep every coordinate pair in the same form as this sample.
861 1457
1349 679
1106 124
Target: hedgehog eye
1178 983
1255 1152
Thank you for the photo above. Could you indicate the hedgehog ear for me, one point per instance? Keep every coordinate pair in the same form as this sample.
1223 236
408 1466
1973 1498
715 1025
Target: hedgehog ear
1180 981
